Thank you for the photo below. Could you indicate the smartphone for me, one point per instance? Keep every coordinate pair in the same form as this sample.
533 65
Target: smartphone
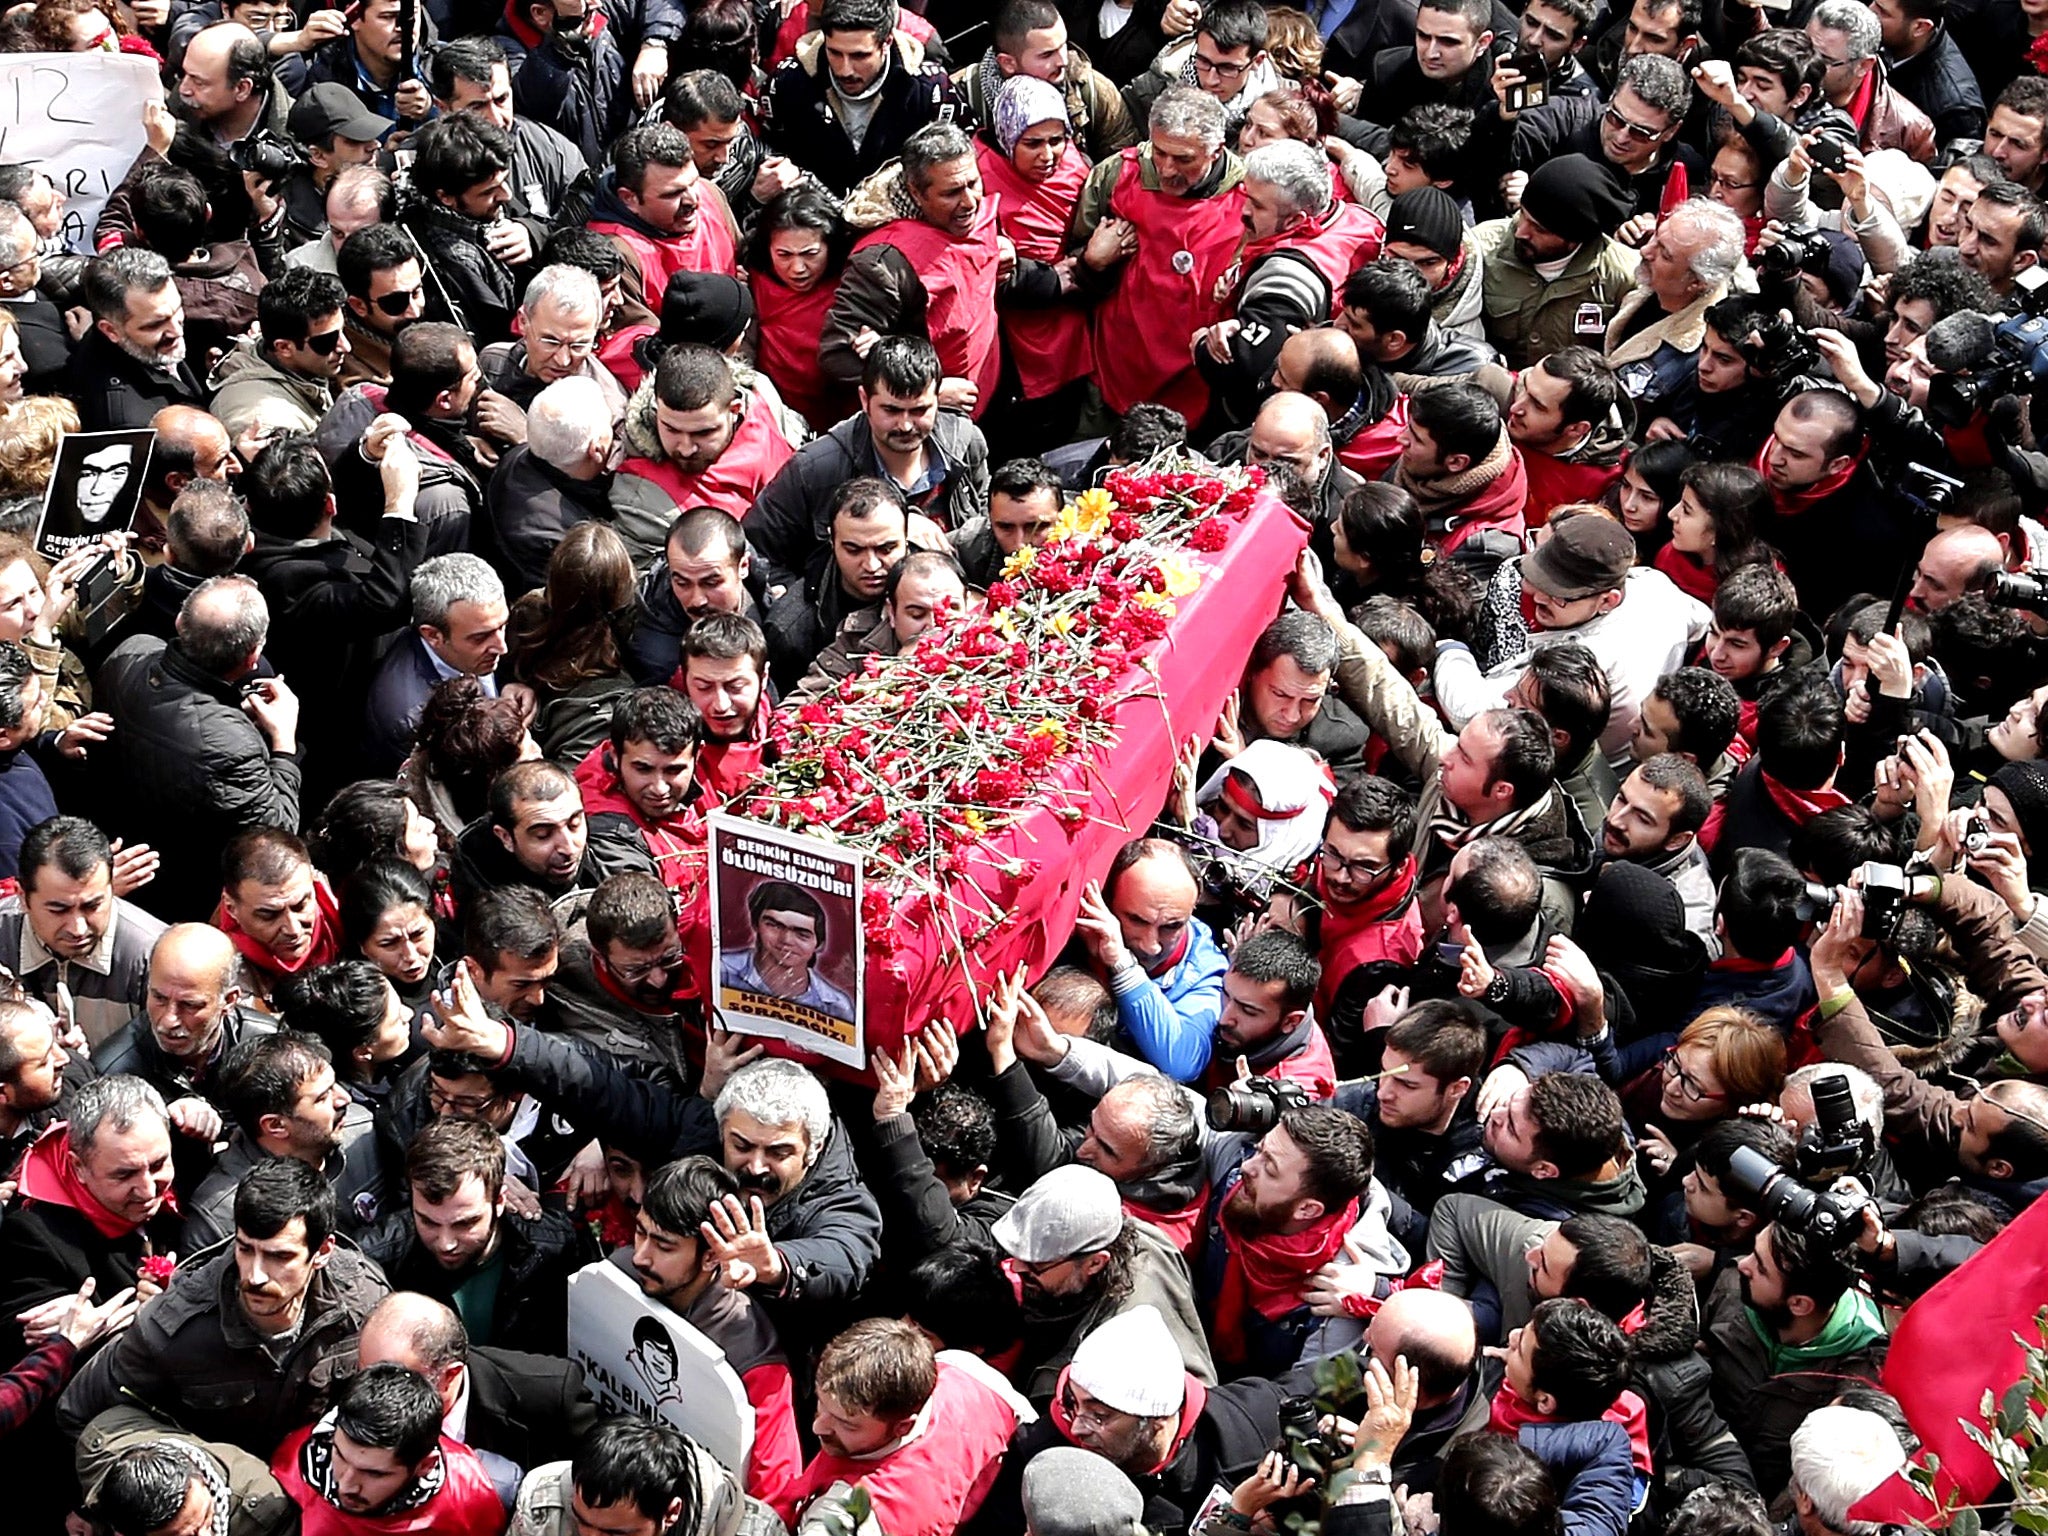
1827 154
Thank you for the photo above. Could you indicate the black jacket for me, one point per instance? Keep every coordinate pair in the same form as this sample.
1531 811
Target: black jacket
828 1229
1417 1169
115 390
45 344
1853 541
483 863
1398 86
587 100
805 620
1939 81
790 527
194 770
527 1408
799 120
1372 27
481 289
654 649
540 1254
919 1216
528 507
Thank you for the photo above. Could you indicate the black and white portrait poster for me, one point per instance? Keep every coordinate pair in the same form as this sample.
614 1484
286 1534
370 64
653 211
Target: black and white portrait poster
95 488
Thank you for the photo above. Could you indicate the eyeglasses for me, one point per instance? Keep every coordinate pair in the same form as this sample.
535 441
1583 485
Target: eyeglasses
1357 869
1204 65
396 304
632 975
1692 1088
324 343
442 1103
1828 63
1729 183
556 346
1635 130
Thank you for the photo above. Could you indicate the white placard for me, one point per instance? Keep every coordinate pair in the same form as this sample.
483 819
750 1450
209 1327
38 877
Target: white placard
638 1357
77 117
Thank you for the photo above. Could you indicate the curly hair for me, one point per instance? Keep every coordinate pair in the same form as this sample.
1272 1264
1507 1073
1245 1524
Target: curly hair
28 442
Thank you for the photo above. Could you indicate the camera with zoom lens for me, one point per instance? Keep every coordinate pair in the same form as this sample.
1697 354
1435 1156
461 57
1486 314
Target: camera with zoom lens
1778 350
270 156
1837 1145
2007 355
1795 254
2020 589
1255 1105
1885 889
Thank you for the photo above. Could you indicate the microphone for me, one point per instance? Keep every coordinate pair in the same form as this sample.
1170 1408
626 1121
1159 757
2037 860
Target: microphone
1959 342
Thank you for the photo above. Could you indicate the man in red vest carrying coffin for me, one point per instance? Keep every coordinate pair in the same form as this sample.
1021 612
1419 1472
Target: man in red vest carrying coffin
1156 227
929 265
663 217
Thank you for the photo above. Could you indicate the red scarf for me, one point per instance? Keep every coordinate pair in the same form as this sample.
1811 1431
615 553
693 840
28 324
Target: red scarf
1181 1226
1861 103
1510 1413
326 947
1691 577
1792 503
1346 939
1267 1271
46 1174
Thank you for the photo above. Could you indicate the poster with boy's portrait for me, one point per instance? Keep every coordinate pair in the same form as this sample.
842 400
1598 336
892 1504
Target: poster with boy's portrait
95 488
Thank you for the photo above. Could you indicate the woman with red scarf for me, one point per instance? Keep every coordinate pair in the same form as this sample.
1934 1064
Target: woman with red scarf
793 265
1713 527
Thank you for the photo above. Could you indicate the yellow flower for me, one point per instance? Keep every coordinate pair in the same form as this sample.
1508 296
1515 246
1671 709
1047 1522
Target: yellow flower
1063 625
1181 578
1019 562
976 822
1052 728
1085 517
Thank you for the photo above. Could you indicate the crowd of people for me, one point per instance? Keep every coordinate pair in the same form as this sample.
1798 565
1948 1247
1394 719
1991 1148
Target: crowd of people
1581 992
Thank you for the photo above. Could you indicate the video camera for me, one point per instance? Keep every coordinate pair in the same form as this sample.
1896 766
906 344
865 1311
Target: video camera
1885 888
1979 358
1255 1105
1836 1145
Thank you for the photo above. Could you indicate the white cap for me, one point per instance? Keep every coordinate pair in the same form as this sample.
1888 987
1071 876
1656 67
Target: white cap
1132 1363
1071 1210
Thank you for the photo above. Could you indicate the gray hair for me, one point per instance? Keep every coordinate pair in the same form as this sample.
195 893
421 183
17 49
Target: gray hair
1841 1455
573 288
109 279
1302 637
1854 20
1660 82
1187 113
566 418
442 582
1299 172
1721 230
359 189
17 1015
17 235
779 1092
222 622
117 1104
933 145
1171 1132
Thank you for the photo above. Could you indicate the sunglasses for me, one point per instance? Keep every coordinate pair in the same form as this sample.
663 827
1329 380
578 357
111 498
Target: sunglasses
1636 130
395 304
324 343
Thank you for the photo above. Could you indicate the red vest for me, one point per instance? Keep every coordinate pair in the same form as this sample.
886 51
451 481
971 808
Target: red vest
1049 347
1342 240
1143 329
1374 450
708 248
959 278
757 450
789 325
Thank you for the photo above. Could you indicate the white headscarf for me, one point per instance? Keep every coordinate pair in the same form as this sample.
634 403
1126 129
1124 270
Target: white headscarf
1295 789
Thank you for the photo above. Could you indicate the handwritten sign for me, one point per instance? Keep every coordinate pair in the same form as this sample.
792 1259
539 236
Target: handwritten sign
77 117
787 943
638 1357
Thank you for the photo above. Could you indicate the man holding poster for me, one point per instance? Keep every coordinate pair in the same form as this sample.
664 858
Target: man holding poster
787 937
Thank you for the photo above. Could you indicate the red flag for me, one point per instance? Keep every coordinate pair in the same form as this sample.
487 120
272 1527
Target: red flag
1677 188
1954 1342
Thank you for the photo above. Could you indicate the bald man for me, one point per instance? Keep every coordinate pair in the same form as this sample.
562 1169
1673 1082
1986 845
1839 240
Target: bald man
1956 562
224 84
1140 933
1290 436
190 445
1435 1333
1364 410
191 1018
514 1410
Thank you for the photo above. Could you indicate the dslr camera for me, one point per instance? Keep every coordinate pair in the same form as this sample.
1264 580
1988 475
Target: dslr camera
2023 590
1777 349
1837 1145
1255 1105
1885 888
1796 253
270 156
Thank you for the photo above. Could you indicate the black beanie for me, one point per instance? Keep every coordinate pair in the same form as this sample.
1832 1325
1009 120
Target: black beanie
1428 217
1577 200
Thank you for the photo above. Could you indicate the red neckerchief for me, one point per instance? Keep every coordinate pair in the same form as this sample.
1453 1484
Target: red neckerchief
1792 503
46 1175
326 948
1799 806
1173 956
1864 99
1266 1272
1737 964
1689 575
1510 1413
1181 1226
1428 1278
